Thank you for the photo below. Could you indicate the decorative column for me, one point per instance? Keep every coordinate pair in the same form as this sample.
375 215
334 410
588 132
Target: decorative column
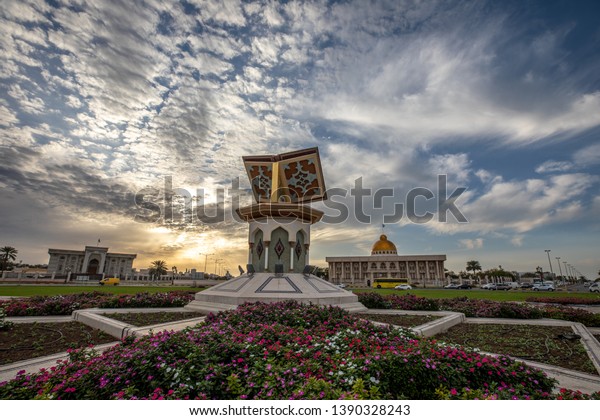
86 261
360 275
267 255
306 259
292 246
102 262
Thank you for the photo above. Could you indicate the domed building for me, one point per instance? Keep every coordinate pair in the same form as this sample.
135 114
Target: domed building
384 262
384 247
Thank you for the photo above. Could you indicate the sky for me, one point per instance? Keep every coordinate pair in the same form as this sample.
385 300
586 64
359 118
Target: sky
118 117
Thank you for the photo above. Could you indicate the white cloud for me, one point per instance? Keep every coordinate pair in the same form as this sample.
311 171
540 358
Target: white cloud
271 16
554 166
7 115
589 155
265 51
487 177
471 243
222 45
456 166
228 12
522 206
27 101
517 240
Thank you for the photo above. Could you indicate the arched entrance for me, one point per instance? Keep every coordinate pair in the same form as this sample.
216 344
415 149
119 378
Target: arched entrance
93 266
279 250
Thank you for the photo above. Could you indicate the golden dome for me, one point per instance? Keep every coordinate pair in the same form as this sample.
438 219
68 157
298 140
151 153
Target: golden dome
383 246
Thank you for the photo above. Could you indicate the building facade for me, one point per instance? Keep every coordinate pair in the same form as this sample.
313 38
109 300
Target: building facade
93 260
384 261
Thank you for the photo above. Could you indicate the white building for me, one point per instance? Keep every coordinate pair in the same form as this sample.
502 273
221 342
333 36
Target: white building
92 260
384 261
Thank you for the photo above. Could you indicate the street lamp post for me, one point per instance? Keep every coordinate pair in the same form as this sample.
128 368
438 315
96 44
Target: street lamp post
205 260
572 272
217 260
547 251
561 274
559 267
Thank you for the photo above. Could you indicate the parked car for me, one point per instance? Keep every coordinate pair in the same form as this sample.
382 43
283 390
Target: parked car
464 286
526 285
342 286
110 281
489 286
595 287
403 287
451 286
503 286
543 287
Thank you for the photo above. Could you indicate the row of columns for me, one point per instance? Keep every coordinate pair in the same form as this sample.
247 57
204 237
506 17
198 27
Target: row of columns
267 243
371 271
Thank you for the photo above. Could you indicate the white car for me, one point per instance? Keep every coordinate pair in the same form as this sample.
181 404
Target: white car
403 287
542 286
489 286
595 287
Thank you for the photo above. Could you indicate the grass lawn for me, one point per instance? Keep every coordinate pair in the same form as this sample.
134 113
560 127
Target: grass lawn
65 290
498 295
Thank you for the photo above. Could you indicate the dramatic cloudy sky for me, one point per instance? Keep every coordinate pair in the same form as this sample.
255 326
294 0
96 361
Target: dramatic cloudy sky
102 102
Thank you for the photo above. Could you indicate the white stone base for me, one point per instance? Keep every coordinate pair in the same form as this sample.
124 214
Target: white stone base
267 287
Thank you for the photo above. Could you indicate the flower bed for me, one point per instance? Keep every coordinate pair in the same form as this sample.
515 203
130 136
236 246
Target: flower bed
565 300
283 351
479 308
66 304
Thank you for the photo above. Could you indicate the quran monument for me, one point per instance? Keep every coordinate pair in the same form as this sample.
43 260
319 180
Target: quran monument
279 224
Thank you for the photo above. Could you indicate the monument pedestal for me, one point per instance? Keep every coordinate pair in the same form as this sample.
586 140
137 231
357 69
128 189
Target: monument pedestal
267 287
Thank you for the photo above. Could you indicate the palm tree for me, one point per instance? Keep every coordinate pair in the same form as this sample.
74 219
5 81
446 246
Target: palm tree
473 266
174 269
8 253
158 268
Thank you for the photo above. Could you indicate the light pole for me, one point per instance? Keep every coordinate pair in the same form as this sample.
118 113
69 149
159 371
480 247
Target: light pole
217 261
547 251
561 274
559 267
572 272
205 260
